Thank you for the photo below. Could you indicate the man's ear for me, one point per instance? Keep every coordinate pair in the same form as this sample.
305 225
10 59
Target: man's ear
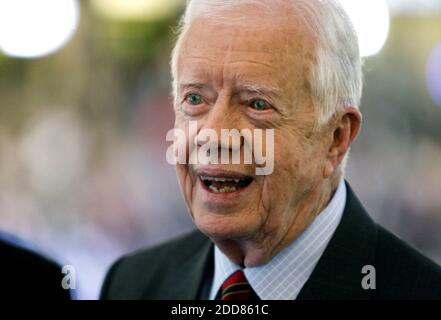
346 126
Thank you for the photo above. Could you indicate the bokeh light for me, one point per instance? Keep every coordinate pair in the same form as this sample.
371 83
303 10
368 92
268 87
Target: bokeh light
31 29
433 75
136 9
371 20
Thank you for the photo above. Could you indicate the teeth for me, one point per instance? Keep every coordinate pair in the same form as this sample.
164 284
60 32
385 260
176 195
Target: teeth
206 178
222 190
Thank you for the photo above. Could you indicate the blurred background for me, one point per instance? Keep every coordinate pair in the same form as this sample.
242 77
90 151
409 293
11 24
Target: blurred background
85 106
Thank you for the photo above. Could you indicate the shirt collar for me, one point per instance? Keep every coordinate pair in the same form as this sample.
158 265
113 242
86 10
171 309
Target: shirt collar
284 276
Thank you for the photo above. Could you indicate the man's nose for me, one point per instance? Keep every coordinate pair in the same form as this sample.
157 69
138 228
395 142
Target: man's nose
221 117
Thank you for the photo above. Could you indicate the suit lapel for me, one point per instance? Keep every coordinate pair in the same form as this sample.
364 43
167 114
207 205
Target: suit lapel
338 272
188 278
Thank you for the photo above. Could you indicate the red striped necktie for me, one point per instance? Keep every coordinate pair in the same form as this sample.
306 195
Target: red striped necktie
236 287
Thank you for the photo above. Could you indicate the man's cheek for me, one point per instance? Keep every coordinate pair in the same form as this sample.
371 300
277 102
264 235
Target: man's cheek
184 177
188 187
266 199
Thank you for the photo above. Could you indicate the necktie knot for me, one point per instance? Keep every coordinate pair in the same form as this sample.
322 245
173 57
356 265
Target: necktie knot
237 287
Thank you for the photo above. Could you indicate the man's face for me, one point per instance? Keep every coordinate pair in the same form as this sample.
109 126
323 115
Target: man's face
250 77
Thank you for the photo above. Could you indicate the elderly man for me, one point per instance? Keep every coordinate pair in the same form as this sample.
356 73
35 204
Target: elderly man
292 66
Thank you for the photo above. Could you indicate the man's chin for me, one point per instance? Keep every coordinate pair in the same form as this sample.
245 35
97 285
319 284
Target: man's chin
226 227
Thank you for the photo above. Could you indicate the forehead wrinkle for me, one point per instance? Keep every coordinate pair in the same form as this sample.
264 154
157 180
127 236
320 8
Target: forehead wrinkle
261 63
196 57
232 60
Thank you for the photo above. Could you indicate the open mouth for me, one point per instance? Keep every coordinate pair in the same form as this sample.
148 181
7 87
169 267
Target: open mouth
225 184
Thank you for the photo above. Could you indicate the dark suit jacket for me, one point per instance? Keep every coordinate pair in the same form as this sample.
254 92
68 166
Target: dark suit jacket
25 274
183 268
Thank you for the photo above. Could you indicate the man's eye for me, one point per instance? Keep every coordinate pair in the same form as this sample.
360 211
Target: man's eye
193 99
260 105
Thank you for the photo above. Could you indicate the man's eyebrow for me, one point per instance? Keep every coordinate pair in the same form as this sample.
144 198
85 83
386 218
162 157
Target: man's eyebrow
244 88
259 89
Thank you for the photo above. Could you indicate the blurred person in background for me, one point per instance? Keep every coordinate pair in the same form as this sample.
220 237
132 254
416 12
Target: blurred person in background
27 274
300 232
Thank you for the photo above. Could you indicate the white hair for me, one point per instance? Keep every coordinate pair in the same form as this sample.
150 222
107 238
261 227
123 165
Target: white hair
335 79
